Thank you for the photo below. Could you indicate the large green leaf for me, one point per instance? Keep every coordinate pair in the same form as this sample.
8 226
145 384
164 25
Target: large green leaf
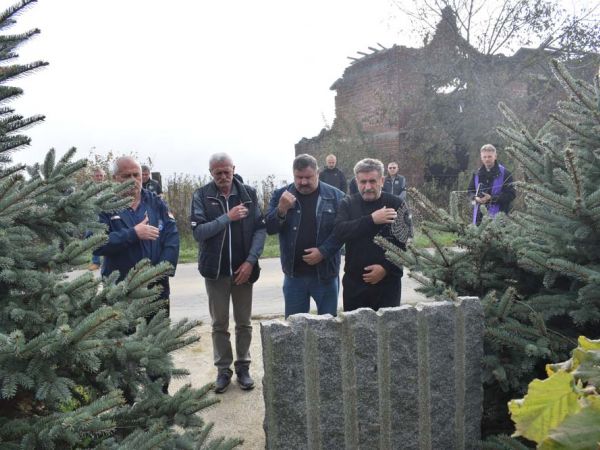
579 431
545 406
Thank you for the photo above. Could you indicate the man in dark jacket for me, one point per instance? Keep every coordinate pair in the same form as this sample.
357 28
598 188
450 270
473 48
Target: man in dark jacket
491 185
230 230
332 175
303 214
395 184
370 280
146 229
148 183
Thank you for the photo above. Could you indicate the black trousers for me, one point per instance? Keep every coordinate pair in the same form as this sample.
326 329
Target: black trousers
358 294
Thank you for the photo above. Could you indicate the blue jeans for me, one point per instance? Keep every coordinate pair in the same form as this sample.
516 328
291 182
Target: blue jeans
297 292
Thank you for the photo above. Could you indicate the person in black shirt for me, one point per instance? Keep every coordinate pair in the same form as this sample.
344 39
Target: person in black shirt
370 280
332 175
148 183
303 215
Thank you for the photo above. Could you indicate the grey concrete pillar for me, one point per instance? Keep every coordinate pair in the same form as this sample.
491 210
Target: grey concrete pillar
402 378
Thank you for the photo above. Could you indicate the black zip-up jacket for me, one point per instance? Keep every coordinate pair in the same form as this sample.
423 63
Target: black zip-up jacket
334 177
209 222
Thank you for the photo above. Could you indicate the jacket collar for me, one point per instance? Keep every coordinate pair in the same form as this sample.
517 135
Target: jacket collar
494 170
242 192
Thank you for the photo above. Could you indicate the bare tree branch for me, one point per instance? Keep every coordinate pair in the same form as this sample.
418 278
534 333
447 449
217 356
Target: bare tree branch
503 25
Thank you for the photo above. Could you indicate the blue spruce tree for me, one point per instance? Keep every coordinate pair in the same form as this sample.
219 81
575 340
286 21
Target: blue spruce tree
81 366
537 270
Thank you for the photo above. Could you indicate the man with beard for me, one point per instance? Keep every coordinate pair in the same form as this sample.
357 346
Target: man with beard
369 279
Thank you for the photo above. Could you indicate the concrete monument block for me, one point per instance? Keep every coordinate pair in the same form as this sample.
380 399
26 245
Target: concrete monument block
400 378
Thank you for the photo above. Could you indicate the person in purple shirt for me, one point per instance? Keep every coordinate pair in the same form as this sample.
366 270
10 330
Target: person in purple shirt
491 185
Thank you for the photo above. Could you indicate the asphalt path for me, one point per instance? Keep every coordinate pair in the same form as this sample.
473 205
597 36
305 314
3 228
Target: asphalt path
189 299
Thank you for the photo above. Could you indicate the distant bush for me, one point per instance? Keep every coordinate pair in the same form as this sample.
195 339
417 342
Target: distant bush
178 195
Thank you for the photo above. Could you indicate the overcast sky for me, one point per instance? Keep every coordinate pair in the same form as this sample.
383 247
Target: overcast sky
179 80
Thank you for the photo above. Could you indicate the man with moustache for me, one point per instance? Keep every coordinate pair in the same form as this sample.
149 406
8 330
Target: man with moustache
230 230
369 279
303 215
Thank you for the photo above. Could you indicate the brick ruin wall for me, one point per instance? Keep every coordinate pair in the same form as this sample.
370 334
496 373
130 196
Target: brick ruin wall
383 92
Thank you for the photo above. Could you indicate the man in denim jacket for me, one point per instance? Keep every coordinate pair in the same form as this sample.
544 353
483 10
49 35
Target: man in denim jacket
303 214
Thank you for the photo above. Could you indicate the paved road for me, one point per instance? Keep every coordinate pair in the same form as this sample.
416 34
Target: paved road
189 299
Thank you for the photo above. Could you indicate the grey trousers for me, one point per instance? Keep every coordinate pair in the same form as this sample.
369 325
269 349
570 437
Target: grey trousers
219 292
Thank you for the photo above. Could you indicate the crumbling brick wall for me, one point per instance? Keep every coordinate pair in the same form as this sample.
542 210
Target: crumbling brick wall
432 108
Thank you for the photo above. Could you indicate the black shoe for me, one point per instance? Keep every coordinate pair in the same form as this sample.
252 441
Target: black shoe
223 380
244 380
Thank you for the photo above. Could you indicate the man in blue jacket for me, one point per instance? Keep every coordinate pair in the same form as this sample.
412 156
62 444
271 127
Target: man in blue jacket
230 230
145 229
303 214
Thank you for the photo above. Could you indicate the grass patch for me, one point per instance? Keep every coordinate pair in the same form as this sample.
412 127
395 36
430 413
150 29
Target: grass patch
188 251
271 247
444 238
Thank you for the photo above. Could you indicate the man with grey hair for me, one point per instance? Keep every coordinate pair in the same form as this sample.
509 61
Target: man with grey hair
148 183
146 229
229 227
303 215
491 185
370 280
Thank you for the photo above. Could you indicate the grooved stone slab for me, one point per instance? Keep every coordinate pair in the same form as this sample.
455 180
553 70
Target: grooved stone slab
401 378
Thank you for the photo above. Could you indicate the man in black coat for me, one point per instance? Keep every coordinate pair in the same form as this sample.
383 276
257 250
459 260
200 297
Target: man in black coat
332 175
491 185
148 183
230 229
370 280
395 184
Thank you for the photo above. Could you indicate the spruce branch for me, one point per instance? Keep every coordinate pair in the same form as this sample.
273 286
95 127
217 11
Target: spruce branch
575 177
532 167
439 214
546 196
567 80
